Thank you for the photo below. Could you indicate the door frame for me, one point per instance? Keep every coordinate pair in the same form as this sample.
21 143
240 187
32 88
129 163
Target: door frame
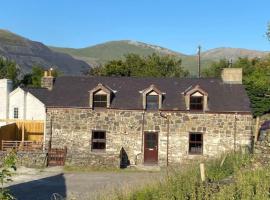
144 134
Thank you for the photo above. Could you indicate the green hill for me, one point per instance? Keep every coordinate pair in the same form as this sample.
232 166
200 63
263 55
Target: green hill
101 53
27 53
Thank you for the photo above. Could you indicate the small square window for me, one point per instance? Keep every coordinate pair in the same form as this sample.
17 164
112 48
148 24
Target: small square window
195 143
98 141
100 101
16 113
196 103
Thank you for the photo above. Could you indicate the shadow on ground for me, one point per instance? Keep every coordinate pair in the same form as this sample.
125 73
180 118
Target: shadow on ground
41 189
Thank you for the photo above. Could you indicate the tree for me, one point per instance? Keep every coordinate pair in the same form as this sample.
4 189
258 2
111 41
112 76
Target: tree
9 70
138 66
215 69
256 79
33 79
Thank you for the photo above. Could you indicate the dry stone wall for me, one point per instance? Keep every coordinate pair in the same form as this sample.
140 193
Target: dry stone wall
73 128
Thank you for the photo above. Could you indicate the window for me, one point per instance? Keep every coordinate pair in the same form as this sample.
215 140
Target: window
16 113
195 143
152 102
100 100
196 103
98 141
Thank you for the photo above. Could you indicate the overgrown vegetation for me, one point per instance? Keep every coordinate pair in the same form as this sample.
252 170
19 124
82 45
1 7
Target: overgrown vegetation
8 164
185 183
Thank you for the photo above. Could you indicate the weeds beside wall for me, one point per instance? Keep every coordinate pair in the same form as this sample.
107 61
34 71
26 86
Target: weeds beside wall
234 179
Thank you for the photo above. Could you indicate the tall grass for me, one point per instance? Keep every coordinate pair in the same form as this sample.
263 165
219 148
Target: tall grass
185 183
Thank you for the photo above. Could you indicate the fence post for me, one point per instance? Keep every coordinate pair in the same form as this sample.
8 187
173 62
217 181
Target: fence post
202 170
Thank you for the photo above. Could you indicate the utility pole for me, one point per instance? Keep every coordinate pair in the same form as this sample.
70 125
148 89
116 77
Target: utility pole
199 61
230 63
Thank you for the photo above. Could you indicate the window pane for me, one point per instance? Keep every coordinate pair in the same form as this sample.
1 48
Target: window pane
196 103
100 101
98 140
100 104
195 143
98 145
151 140
152 102
195 148
16 113
98 135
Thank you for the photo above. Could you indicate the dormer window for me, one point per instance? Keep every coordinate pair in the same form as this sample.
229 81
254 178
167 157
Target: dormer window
152 101
196 99
100 100
152 98
100 96
196 103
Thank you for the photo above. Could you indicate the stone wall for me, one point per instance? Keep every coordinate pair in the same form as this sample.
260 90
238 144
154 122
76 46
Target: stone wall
28 159
262 149
73 128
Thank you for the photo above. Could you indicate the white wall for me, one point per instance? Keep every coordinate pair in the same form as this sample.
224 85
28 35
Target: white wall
5 89
30 108
35 109
17 100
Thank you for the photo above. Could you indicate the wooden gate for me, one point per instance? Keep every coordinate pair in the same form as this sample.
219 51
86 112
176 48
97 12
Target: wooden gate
57 156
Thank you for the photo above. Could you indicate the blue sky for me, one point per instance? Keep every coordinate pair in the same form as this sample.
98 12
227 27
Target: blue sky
176 24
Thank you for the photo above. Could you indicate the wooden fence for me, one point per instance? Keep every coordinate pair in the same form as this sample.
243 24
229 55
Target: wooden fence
8 132
22 130
22 145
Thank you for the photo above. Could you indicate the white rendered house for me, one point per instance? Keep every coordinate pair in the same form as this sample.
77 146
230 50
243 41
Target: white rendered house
21 103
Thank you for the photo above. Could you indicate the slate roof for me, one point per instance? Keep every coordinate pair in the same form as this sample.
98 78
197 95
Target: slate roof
73 91
40 93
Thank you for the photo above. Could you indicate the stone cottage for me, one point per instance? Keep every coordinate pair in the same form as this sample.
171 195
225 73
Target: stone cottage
160 121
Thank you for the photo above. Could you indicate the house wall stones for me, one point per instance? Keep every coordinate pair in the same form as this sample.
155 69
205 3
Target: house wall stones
73 127
262 149
28 159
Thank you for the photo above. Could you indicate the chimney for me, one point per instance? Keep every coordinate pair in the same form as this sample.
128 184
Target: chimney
232 75
47 80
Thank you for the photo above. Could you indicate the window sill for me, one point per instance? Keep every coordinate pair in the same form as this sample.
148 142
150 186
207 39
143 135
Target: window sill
98 151
195 154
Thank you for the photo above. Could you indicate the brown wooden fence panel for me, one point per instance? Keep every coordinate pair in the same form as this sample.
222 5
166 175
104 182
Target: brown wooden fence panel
33 130
8 132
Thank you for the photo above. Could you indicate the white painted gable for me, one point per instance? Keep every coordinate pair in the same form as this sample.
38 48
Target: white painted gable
29 107
197 94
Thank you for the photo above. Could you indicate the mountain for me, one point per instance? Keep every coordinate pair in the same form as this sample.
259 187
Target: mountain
27 53
99 54
232 53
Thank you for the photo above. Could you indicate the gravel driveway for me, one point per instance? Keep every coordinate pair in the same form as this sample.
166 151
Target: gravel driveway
30 184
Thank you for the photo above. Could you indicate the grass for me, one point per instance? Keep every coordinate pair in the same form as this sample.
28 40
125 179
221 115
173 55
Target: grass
185 184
